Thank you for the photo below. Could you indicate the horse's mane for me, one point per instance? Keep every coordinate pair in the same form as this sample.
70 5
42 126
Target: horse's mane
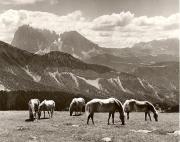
119 104
153 108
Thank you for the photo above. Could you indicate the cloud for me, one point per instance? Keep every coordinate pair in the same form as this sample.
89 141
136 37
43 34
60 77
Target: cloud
19 2
109 22
126 29
115 30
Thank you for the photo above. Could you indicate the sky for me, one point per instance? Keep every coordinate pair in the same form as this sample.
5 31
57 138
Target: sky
109 23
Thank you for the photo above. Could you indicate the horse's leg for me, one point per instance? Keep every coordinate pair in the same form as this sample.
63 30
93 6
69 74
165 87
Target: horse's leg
80 110
49 114
88 118
35 115
52 113
29 115
113 118
44 114
127 115
109 117
149 116
145 116
92 118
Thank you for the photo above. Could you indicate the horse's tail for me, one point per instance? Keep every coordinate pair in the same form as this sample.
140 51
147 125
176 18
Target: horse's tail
87 109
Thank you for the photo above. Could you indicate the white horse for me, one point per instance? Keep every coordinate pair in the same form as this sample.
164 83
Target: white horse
47 105
104 105
140 106
33 108
76 105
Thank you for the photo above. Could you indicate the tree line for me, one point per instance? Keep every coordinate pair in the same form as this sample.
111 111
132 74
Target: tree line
18 100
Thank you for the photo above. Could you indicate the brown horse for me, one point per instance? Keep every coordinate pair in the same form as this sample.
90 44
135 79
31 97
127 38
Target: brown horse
140 106
104 105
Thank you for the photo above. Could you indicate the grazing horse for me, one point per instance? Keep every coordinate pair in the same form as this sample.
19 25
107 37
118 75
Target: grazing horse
104 105
47 105
140 106
33 108
77 105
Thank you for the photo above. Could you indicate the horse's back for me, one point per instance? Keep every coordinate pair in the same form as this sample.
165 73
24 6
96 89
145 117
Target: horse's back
135 105
50 103
102 105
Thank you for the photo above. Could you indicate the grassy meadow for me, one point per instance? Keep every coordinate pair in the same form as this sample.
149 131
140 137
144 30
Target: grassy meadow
15 127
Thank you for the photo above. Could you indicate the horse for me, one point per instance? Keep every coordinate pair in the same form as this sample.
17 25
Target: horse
33 108
77 105
140 106
47 105
105 105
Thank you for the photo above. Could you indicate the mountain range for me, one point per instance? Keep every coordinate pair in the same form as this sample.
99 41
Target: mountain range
122 59
43 60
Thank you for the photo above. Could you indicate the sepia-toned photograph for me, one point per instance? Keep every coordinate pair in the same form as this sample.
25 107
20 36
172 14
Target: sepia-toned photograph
89 71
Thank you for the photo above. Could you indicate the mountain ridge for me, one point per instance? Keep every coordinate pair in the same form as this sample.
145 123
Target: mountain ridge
53 76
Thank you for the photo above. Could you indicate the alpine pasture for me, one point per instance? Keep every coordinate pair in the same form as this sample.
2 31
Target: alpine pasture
15 126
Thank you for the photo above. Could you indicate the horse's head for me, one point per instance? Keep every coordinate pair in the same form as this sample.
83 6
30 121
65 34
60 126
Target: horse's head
73 106
39 111
122 118
71 111
39 114
156 116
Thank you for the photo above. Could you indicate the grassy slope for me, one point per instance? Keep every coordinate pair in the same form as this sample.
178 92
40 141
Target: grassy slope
13 127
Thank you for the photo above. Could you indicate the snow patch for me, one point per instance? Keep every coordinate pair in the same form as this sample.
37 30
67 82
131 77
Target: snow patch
140 81
54 74
117 81
149 85
172 85
11 71
43 52
58 43
94 83
3 88
76 56
35 77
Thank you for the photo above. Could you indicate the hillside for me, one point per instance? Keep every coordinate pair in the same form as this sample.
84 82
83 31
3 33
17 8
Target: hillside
58 71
